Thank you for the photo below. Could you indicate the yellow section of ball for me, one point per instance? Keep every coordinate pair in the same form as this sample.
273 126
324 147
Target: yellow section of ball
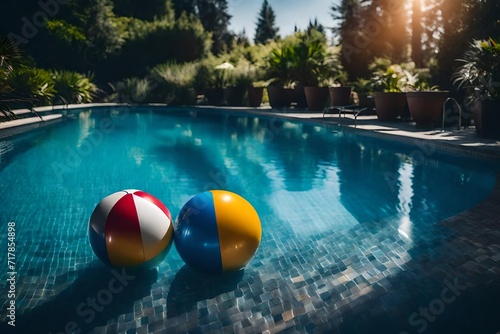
239 229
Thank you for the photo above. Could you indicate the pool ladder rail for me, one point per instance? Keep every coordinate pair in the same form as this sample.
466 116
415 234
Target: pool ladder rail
64 110
356 111
459 113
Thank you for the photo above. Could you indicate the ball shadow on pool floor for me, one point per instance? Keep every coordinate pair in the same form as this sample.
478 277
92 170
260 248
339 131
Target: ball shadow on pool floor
189 287
99 293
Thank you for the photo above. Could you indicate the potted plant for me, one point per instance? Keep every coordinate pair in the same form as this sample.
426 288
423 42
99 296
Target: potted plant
340 93
255 94
279 69
480 75
363 88
215 93
311 71
390 99
425 102
255 88
239 79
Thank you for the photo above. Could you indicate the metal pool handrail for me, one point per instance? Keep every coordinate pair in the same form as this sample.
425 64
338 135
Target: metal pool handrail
342 109
459 113
64 111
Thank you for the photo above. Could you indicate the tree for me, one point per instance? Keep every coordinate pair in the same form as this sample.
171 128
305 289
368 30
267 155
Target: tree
215 18
144 10
386 26
368 29
315 25
10 56
241 38
431 29
186 6
355 53
266 26
463 21
103 38
416 34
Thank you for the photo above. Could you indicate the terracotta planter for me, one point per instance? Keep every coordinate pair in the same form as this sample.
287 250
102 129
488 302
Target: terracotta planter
214 96
367 101
426 108
390 106
340 96
316 98
255 96
487 119
234 96
298 96
279 97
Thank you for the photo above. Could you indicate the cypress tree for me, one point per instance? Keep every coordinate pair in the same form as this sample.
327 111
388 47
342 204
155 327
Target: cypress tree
266 25
315 25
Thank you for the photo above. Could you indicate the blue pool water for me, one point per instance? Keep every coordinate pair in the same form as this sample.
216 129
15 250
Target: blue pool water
327 200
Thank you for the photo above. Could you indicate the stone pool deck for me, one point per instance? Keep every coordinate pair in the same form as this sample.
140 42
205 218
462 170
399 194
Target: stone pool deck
379 282
464 139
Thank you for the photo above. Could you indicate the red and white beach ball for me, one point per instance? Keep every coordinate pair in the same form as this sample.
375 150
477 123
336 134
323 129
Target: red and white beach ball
131 228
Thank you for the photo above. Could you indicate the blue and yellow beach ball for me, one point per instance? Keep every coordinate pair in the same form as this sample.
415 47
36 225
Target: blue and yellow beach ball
131 228
217 231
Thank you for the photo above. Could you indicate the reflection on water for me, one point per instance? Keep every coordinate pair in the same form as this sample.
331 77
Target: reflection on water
291 171
405 197
325 199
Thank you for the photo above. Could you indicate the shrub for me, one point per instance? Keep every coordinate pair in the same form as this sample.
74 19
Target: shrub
389 77
175 83
131 90
279 65
244 75
153 43
207 75
304 58
73 87
31 83
480 70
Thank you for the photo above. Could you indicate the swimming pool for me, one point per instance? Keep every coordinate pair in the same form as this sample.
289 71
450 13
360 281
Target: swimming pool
341 213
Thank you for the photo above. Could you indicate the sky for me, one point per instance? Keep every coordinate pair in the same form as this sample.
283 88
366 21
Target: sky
288 14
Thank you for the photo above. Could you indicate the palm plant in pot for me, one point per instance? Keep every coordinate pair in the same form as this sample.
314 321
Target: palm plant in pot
480 75
390 98
279 72
312 71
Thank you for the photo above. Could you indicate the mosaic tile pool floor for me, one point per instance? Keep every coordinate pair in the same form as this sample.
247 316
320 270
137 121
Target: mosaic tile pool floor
363 278
334 287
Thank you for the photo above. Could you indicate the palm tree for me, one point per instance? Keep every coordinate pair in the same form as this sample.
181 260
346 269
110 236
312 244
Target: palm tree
10 57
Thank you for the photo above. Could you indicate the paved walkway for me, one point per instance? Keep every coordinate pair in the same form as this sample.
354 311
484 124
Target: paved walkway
465 138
